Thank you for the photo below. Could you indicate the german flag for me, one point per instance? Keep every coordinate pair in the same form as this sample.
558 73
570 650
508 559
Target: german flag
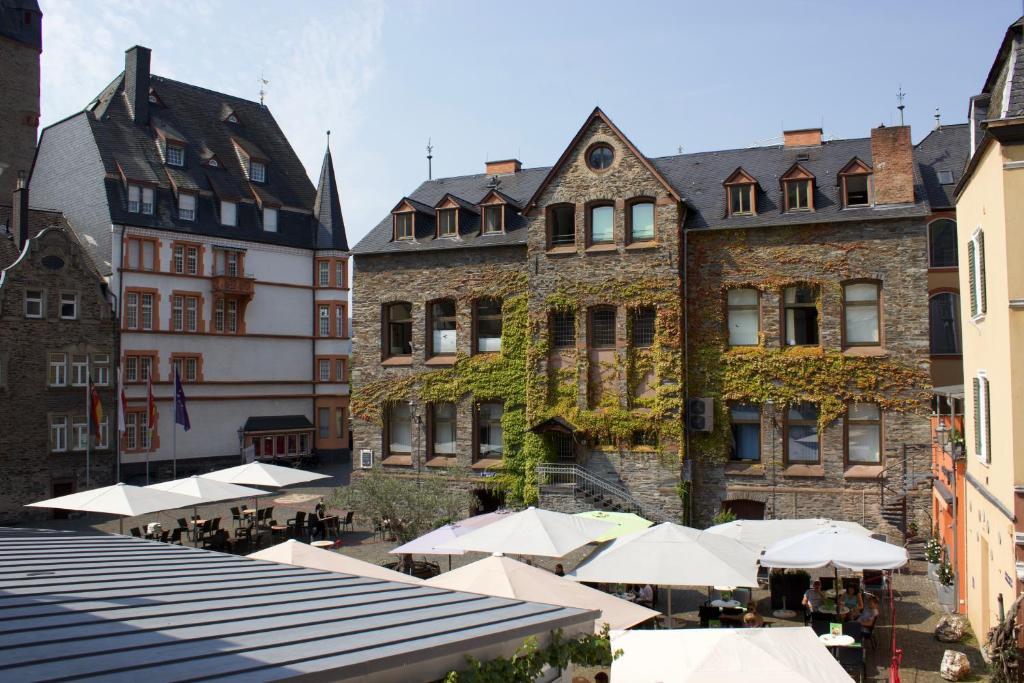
96 408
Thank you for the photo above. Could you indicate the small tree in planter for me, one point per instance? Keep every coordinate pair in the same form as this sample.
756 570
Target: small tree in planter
933 554
723 516
945 587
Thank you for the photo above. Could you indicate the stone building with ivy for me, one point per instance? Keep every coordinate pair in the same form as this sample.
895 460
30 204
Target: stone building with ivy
544 330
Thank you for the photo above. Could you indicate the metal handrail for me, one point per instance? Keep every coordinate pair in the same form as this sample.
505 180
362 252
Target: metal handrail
581 478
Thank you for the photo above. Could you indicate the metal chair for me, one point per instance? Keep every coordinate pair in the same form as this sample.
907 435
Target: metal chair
236 516
853 629
852 661
347 522
216 525
175 538
297 524
820 623
136 532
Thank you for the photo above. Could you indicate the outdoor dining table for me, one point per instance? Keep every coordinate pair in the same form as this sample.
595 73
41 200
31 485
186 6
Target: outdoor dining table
630 597
322 544
728 604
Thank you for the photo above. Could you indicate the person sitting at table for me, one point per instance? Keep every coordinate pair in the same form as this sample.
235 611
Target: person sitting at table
752 619
869 614
852 601
316 522
645 596
813 599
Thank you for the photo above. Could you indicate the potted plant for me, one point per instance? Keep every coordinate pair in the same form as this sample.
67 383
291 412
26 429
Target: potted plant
945 587
912 530
933 554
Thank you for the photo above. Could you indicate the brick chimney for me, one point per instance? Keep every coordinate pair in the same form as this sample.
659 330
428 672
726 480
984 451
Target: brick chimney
136 82
892 158
19 212
804 137
504 166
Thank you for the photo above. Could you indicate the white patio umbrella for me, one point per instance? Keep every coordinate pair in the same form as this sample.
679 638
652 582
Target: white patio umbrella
263 474
671 555
504 577
204 490
533 532
433 542
835 546
724 655
764 532
299 554
119 499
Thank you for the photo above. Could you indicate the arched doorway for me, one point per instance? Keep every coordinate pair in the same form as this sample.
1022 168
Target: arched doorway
744 509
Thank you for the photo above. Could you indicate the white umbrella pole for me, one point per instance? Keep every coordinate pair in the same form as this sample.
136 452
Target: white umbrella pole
120 522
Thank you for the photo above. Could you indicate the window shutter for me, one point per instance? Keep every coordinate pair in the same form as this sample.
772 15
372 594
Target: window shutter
983 303
988 420
971 277
977 417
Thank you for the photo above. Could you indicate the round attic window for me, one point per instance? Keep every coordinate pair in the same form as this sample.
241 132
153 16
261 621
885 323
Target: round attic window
600 156
53 262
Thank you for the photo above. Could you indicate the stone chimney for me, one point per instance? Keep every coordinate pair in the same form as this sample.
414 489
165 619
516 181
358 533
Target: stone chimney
504 166
136 82
804 137
892 159
19 212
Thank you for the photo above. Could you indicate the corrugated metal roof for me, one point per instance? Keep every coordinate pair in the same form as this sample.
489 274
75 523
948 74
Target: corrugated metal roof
87 605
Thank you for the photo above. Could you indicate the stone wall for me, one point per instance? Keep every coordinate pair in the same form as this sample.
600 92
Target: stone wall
892 252
28 468
19 112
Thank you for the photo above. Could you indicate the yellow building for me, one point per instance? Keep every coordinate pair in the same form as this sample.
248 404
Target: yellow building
990 218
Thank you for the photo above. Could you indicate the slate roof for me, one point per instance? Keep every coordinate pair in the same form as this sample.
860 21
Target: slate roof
1011 52
38 220
270 423
470 188
327 209
75 605
698 178
128 151
943 149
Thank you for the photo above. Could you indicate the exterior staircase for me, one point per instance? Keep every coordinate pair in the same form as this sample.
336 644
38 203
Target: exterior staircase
899 482
589 491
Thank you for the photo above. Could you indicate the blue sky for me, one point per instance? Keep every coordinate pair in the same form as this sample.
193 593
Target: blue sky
497 80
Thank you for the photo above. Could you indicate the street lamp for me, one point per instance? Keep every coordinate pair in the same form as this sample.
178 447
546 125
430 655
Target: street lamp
942 435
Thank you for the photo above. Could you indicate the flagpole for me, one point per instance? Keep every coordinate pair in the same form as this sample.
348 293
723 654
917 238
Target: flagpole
174 427
88 418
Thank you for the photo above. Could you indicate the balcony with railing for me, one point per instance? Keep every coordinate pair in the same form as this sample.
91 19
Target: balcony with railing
229 282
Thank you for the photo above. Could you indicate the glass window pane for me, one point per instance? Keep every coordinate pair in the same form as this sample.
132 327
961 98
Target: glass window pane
443 320
944 323
399 429
488 325
746 442
942 244
742 297
745 413
743 325
642 221
602 322
803 443
489 434
444 429
862 324
864 411
563 225
602 219
862 291
865 443
803 411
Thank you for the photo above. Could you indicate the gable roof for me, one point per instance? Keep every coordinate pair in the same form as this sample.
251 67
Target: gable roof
115 606
1010 56
946 148
38 220
596 115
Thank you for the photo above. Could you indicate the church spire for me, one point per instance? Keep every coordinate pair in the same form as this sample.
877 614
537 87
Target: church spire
327 207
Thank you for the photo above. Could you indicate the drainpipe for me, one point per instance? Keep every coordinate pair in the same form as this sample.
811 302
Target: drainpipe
117 349
683 274
956 501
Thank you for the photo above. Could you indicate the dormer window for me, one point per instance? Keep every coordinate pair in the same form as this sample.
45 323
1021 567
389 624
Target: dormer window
257 171
175 155
740 194
798 189
403 226
228 213
855 183
187 207
213 163
140 199
232 118
269 219
494 219
447 222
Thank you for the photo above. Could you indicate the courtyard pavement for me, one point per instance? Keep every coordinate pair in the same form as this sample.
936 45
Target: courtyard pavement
917 608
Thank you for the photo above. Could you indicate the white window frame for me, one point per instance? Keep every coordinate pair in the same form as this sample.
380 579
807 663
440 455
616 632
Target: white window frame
179 258
324 274
218 316
147 201
186 206
131 369
228 213
191 314
984 413
269 219
134 198
79 369
101 369
175 155
257 171
72 299
325 370
131 310
79 433
57 375
146 311
103 438
339 321
39 300
977 264
324 317
58 433
232 316
178 313
339 274
192 260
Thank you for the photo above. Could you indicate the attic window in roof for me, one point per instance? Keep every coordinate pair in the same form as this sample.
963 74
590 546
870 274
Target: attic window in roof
213 163
187 207
175 155
403 225
855 181
269 219
140 200
945 177
231 118
447 222
257 171
600 156
798 195
741 199
494 219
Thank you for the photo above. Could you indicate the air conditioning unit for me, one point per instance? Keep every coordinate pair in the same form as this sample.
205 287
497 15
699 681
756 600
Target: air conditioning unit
365 459
700 414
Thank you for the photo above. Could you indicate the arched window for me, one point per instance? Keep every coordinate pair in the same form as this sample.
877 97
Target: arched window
944 323
942 251
602 327
442 337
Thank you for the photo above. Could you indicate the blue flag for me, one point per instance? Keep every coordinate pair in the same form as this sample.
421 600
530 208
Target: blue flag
180 410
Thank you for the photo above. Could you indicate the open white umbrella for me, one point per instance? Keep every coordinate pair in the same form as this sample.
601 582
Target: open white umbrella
671 555
724 655
504 577
301 555
835 546
204 490
263 474
435 542
119 499
764 532
533 532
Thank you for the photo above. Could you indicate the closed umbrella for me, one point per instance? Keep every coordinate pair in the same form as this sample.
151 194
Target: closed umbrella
300 554
533 532
504 577
625 523
204 490
724 655
671 555
119 499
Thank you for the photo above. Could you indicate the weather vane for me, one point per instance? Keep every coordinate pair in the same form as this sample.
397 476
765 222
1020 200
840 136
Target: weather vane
263 83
